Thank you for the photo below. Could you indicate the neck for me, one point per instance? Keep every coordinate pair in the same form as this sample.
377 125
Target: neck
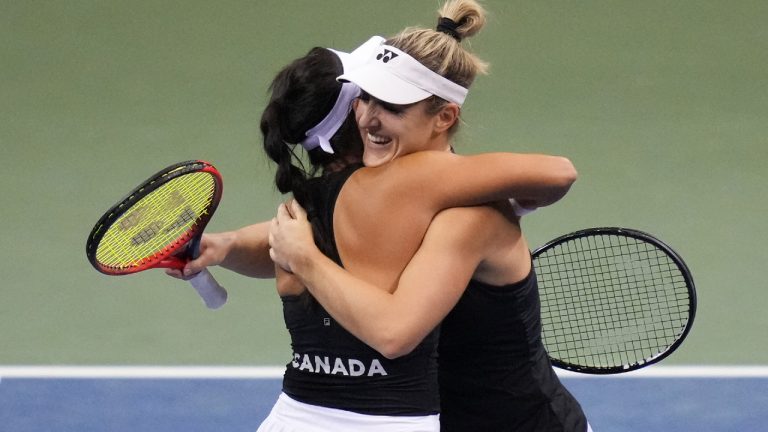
441 143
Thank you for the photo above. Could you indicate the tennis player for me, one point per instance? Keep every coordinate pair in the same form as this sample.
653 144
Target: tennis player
342 384
372 396
494 372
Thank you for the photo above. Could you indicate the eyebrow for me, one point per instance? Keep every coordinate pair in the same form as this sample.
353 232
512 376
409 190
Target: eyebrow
386 105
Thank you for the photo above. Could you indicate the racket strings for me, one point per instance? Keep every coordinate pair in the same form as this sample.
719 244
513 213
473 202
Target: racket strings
614 300
163 218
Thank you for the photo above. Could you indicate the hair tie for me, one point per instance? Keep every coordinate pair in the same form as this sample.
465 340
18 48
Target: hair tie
449 27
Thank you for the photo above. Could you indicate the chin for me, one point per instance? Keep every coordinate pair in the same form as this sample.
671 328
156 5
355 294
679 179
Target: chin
374 156
373 161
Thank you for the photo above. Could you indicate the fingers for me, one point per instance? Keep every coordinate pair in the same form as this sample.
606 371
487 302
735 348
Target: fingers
276 260
289 232
287 205
298 211
282 214
271 236
206 258
193 267
175 273
180 274
291 210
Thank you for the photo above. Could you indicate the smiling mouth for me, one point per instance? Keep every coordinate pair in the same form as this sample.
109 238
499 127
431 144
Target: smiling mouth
377 139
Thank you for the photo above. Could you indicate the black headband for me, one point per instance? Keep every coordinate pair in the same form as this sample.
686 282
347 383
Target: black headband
449 27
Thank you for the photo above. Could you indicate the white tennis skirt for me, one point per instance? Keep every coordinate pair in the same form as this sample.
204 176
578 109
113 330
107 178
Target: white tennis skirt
289 415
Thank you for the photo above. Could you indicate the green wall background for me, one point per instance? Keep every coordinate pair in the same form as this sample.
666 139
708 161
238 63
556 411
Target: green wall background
661 105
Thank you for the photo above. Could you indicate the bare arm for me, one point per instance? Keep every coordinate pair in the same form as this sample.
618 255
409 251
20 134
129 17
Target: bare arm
533 180
244 251
392 323
248 253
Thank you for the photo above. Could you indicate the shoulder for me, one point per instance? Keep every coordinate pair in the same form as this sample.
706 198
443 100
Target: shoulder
469 226
413 177
426 161
420 164
423 172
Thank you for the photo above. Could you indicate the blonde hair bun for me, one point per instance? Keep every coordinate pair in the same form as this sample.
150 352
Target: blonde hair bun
468 15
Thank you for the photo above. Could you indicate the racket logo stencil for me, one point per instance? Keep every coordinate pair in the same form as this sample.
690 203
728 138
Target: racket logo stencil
175 199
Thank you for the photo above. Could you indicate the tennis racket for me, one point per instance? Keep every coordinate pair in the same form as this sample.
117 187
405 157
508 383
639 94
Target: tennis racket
159 225
612 300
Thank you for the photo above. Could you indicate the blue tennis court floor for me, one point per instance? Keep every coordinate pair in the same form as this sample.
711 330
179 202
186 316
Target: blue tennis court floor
237 399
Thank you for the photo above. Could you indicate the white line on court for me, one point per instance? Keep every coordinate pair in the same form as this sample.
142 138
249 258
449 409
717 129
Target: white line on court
139 372
681 372
273 372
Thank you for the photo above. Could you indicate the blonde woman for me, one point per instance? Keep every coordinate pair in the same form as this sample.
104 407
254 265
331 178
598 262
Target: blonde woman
372 220
472 265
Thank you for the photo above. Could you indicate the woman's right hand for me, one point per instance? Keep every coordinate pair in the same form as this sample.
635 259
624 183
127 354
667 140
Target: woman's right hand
290 237
214 248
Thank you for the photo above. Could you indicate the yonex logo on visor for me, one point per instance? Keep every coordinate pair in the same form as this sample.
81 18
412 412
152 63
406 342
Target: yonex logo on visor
386 56
395 77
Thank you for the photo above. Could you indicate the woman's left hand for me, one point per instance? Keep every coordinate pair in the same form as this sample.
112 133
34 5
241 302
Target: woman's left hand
290 237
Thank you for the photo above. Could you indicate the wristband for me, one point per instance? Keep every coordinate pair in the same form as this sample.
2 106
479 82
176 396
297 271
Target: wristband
519 210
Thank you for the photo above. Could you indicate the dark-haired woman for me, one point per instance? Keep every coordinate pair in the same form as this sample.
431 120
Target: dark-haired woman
372 220
473 262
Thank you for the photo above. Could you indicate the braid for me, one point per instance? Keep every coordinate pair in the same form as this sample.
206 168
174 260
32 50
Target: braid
288 177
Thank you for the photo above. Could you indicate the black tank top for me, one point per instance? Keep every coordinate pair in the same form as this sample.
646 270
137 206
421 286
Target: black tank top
494 372
330 366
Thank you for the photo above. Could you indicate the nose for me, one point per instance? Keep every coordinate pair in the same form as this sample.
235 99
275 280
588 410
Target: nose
366 115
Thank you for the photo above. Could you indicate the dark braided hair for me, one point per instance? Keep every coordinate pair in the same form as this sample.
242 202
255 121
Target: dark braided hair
302 94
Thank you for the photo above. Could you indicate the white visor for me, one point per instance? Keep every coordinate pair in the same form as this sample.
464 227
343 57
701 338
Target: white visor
360 55
395 77
320 135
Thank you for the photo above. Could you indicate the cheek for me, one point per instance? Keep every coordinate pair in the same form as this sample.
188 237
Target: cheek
419 135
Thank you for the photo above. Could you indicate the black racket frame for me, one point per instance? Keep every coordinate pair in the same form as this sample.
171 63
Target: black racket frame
644 237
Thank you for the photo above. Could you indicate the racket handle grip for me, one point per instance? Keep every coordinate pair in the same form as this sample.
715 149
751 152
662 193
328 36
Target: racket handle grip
213 294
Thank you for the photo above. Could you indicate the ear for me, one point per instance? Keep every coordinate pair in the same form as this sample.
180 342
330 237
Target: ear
447 117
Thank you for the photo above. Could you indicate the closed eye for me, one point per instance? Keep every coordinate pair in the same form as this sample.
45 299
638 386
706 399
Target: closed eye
390 107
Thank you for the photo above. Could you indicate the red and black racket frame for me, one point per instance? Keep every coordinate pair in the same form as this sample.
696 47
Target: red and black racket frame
174 255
